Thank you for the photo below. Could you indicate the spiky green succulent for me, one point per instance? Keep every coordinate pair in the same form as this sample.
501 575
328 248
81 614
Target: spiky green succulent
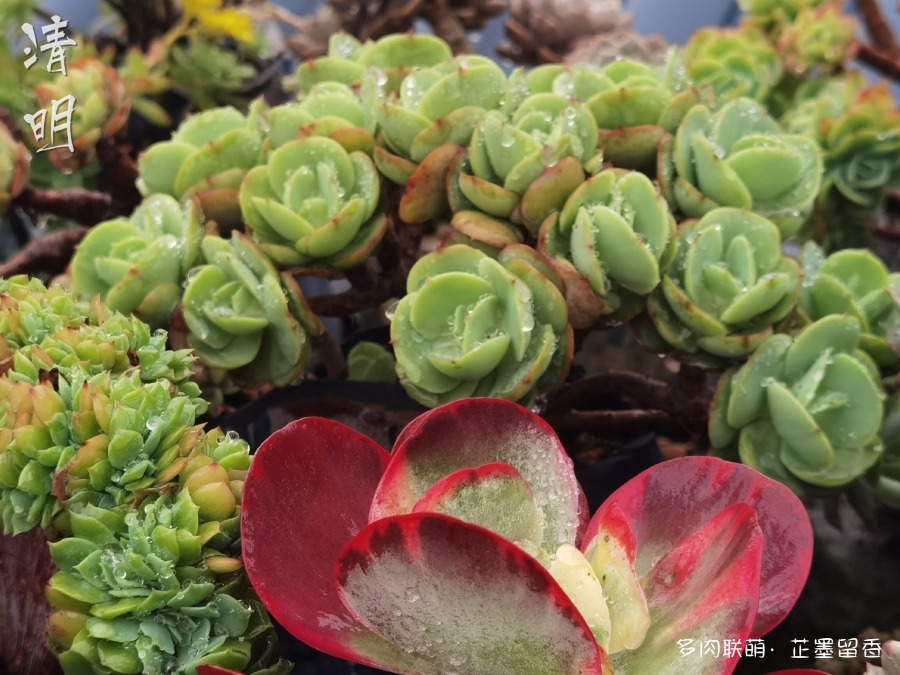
610 243
207 158
471 325
245 317
314 203
854 282
734 62
138 265
805 409
727 288
739 157
371 362
819 39
634 104
15 168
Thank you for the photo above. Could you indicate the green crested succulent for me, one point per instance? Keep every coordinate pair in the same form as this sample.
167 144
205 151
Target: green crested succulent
734 62
634 104
805 409
207 158
854 282
138 265
245 317
611 243
820 39
392 57
727 288
314 203
739 157
15 168
371 362
158 589
471 325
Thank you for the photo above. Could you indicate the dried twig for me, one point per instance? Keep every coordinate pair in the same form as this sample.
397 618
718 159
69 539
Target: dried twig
878 27
332 356
86 207
882 61
122 173
49 254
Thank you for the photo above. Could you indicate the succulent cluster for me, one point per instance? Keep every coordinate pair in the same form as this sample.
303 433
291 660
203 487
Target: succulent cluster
15 168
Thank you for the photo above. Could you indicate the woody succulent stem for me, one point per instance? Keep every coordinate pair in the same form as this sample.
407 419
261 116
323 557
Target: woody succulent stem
122 173
47 255
86 207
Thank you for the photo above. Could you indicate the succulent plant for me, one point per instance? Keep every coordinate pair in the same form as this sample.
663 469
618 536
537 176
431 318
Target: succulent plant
314 203
246 318
138 265
734 62
208 73
805 409
478 556
610 243
370 362
856 283
634 104
100 111
739 157
726 289
15 168
820 39
393 56
772 15
207 158
471 325
886 478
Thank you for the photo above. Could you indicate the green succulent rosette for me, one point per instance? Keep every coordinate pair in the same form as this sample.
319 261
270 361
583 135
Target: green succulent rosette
138 265
156 589
391 57
854 282
15 168
772 15
805 409
370 362
207 157
819 39
244 317
634 104
314 203
728 286
472 325
739 157
734 62
610 243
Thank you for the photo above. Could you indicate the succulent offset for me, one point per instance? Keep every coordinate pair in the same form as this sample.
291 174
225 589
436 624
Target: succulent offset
471 325
101 107
805 409
611 243
820 39
727 288
468 547
734 62
15 168
773 15
739 157
245 317
370 362
138 265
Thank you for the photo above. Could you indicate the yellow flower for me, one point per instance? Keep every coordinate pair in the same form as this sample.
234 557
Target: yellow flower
220 20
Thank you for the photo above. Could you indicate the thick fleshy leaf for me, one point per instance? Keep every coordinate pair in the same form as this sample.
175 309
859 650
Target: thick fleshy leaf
669 501
454 437
312 466
463 599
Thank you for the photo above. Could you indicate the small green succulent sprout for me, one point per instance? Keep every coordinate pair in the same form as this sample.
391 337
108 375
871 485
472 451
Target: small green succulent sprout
610 243
805 409
726 289
734 62
313 203
207 158
471 325
138 265
739 157
155 589
854 282
820 39
15 168
245 317
371 362
392 57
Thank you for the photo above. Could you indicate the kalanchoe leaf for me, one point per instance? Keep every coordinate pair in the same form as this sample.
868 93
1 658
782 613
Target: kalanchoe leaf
370 362
245 317
15 168
138 265
471 325
808 407
100 111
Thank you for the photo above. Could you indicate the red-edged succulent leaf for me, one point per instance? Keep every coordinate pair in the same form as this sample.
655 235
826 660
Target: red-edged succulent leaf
471 433
707 585
667 502
463 599
306 495
494 496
